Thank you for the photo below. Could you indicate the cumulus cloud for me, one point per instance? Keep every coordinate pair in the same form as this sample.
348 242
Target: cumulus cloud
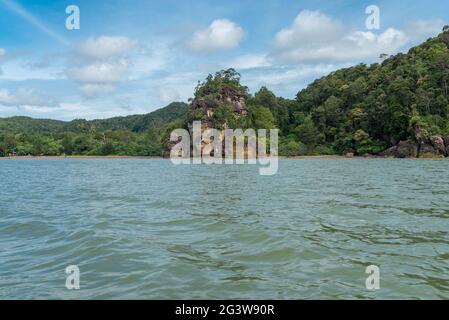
221 34
24 97
150 58
309 26
102 72
20 65
421 29
102 63
95 89
286 81
105 47
249 61
315 37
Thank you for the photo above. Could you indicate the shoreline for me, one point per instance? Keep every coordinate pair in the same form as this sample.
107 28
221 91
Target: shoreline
160 157
82 157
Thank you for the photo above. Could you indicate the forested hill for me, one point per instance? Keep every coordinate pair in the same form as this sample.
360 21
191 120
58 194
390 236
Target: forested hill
130 135
398 106
368 108
135 123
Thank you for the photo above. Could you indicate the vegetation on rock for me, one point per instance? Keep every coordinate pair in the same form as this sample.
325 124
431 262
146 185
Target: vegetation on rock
398 107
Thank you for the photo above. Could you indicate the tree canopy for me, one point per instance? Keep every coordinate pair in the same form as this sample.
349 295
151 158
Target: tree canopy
362 109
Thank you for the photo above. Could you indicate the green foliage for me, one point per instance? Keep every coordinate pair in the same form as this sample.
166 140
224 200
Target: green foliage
224 83
308 133
365 109
261 117
289 146
139 135
362 109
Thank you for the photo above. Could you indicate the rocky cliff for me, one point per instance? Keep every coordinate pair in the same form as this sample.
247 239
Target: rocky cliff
422 146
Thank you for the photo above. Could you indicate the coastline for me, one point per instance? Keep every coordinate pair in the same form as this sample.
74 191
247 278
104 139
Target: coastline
82 157
160 157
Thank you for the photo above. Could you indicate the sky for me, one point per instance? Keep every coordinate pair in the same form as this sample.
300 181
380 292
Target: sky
135 56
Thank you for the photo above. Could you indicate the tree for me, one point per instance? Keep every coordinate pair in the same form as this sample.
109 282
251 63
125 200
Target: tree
383 56
308 133
67 144
361 140
262 118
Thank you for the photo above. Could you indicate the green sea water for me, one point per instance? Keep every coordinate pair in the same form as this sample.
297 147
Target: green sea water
146 229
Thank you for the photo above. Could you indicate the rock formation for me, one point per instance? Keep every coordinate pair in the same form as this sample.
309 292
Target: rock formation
404 149
435 146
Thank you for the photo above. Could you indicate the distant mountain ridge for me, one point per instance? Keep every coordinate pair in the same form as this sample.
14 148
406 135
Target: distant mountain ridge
135 123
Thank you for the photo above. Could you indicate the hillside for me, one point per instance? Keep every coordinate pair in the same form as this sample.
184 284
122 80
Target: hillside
398 107
135 123
369 108
130 135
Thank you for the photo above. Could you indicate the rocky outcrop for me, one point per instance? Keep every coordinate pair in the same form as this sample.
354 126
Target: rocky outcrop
238 104
420 135
433 147
404 149
427 150
438 144
446 143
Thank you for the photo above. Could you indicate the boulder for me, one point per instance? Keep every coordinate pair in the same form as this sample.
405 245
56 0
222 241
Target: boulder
446 144
439 145
404 149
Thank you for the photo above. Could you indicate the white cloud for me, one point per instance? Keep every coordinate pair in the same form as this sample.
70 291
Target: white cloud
106 47
19 66
150 58
95 89
19 70
421 29
309 27
24 97
221 34
106 72
102 63
249 61
286 81
315 37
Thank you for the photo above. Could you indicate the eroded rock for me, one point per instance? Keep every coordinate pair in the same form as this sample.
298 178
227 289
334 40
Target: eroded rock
404 149
446 143
427 150
439 145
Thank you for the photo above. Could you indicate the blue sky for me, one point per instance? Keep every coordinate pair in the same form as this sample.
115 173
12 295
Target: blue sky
136 56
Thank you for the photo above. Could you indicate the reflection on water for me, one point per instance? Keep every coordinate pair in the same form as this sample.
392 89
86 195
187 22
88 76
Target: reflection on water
142 228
